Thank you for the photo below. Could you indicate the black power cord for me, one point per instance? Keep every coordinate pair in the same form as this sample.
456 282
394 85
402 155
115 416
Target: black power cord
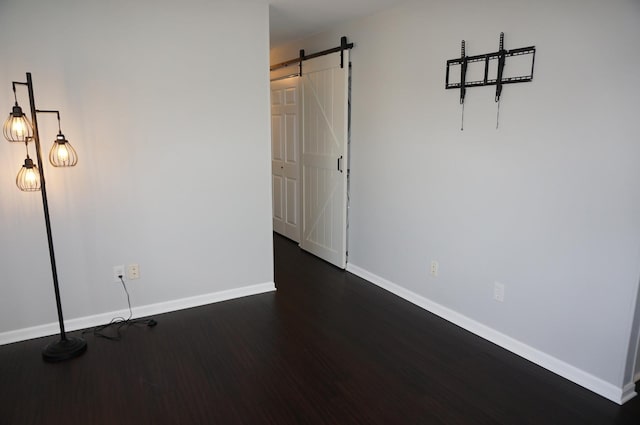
118 323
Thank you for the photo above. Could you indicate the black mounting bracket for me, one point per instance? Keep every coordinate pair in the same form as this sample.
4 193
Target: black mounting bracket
501 55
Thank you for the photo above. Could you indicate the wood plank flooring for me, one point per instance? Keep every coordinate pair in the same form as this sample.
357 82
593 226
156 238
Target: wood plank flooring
326 348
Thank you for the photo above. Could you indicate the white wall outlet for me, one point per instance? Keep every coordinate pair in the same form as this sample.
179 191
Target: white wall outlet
117 272
133 271
498 291
434 268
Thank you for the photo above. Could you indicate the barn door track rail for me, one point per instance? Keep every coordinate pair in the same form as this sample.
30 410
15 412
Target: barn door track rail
344 45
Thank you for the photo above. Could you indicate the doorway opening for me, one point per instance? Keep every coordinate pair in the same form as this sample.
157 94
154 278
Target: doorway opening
310 121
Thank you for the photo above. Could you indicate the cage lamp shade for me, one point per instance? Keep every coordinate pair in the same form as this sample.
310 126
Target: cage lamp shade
28 179
62 153
17 127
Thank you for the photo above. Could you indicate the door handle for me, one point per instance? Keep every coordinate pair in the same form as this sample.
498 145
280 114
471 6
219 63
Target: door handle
340 164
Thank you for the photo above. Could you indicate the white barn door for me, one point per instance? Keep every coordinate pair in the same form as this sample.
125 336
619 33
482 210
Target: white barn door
324 158
285 165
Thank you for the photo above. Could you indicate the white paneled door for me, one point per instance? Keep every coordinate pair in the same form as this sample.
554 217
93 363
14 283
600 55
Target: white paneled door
325 88
285 166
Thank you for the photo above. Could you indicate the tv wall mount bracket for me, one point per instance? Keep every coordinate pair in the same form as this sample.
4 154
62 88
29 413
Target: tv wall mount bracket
501 56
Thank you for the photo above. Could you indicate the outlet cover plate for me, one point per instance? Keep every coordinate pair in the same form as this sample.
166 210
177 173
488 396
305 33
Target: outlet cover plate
133 271
434 268
118 271
498 291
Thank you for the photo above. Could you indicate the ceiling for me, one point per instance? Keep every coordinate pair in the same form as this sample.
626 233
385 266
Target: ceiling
292 20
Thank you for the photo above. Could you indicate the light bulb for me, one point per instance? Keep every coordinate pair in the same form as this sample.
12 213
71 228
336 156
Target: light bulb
62 153
17 127
28 179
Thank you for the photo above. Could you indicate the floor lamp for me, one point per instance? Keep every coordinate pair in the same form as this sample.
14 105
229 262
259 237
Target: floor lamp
18 129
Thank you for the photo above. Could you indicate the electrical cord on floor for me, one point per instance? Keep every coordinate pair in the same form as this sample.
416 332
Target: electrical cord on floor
118 323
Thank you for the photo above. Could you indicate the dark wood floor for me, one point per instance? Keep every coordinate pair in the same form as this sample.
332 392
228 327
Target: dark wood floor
327 348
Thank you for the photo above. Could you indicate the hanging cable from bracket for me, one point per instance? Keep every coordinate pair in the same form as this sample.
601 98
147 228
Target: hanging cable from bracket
501 60
463 77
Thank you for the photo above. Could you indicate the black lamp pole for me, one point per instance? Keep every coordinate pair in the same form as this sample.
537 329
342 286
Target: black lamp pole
66 347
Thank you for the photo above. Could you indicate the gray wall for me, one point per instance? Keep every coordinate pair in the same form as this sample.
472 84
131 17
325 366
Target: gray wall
170 175
548 204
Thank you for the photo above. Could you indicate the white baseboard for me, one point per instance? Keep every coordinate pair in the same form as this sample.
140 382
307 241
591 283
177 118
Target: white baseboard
628 392
142 311
578 376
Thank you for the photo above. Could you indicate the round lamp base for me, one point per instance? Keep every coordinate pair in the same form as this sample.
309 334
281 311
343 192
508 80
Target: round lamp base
64 349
